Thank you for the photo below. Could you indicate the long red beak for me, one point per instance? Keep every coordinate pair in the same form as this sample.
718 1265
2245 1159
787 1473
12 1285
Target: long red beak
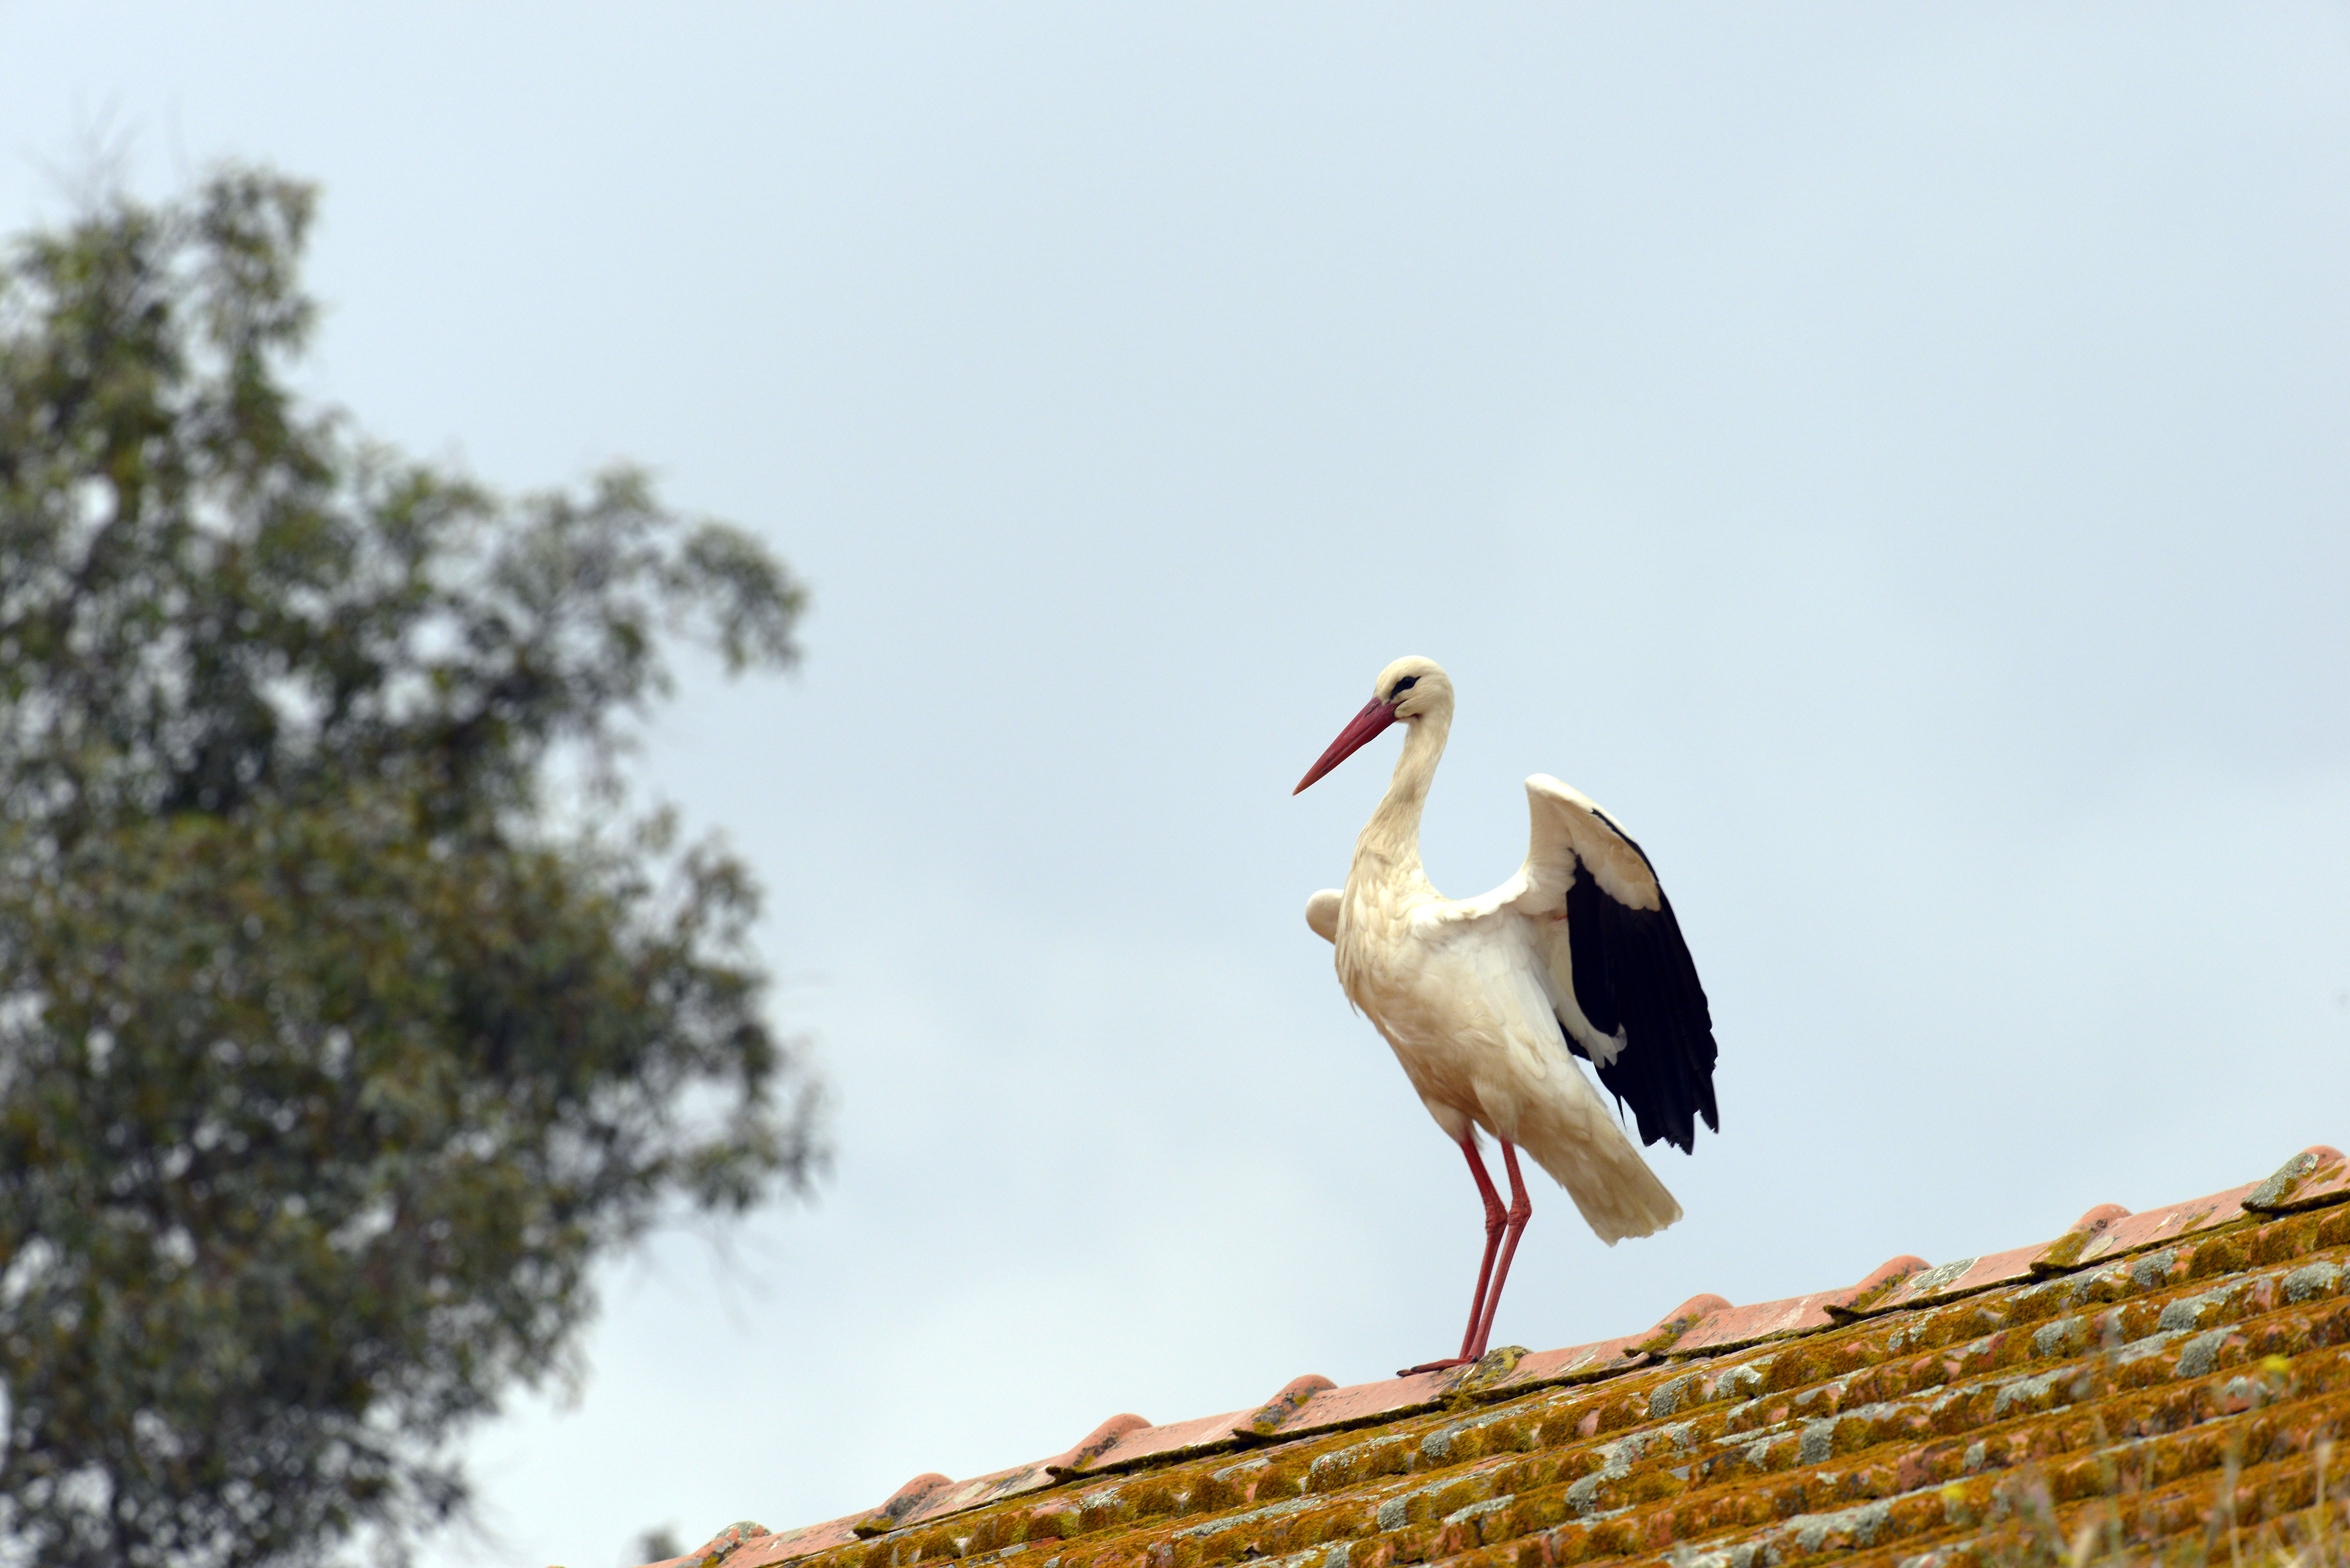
1376 716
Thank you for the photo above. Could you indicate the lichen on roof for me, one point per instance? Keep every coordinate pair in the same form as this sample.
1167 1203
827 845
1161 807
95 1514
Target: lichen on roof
2160 1386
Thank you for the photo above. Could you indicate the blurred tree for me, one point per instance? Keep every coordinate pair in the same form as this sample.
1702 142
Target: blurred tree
330 1057
657 1545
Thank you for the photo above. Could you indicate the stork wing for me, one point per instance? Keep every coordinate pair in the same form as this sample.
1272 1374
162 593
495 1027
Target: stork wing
1322 913
1620 977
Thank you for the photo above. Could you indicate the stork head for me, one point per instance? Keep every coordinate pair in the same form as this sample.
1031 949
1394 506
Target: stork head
1410 689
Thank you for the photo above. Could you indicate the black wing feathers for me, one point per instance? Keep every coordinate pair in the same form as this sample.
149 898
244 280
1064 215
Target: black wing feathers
1633 972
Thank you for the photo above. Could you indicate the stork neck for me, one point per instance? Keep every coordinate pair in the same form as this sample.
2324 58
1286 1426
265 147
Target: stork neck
1393 833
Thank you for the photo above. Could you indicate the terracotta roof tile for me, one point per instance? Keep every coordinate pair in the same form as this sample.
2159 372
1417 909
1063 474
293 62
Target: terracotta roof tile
1146 1445
2146 1377
1097 1443
1283 1408
2169 1224
1334 1409
1734 1327
2314 1177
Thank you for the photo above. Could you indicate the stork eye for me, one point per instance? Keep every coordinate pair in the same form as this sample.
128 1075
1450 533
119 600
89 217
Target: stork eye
1402 686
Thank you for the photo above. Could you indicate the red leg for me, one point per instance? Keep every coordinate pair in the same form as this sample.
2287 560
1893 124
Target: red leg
1521 1210
1494 1221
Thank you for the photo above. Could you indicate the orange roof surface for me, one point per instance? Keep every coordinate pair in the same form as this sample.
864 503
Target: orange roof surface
2163 1384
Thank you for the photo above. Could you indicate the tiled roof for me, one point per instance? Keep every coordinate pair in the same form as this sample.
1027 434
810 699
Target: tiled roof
2162 1384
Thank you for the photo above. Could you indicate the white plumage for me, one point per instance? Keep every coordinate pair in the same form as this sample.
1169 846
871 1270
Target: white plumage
1485 1001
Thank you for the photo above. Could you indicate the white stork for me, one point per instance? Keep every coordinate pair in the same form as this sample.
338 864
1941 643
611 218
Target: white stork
1485 999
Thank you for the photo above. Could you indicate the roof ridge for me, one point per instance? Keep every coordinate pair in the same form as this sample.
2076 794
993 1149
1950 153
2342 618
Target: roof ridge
1704 1327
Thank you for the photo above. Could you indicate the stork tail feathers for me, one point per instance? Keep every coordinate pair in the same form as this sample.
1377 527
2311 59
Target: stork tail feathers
1612 1186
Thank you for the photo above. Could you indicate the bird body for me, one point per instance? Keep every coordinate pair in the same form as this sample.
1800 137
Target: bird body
1485 1001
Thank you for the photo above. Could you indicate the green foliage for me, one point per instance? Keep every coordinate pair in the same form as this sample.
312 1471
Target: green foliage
329 1063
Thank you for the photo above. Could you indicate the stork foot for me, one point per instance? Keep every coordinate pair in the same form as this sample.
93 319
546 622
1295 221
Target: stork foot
1445 1366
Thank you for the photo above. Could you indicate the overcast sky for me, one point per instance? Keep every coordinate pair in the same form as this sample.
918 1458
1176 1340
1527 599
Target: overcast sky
1895 458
